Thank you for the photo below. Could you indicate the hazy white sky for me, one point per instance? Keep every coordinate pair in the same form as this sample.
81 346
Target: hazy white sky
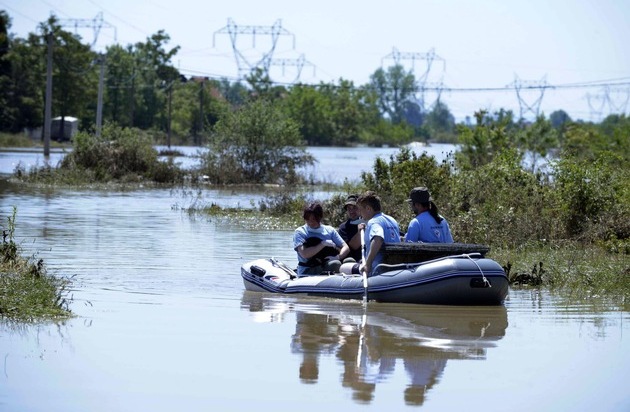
478 44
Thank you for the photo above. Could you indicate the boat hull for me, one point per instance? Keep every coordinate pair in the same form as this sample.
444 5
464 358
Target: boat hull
452 280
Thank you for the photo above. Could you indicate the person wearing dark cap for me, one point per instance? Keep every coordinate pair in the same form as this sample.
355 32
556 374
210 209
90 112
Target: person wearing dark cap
349 230
428 226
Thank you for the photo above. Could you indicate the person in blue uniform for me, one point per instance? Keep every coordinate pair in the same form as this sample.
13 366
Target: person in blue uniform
379 229
428 226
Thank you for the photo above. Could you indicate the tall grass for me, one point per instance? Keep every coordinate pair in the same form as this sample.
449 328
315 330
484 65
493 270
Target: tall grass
27 291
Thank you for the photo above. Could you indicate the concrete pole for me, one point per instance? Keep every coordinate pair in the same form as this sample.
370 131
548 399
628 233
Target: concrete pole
99 104
48 103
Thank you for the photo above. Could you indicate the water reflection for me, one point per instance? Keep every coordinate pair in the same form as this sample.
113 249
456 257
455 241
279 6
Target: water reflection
370 344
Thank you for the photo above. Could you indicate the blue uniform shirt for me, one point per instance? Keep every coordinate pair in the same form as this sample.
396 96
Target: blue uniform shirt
385 227
423 228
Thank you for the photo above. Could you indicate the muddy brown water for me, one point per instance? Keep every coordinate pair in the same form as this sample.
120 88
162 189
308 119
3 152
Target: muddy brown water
163 323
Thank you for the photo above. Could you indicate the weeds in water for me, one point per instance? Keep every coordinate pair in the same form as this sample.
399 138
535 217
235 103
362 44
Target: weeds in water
585 270
27 291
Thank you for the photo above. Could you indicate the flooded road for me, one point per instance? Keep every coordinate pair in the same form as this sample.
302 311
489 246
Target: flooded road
163 323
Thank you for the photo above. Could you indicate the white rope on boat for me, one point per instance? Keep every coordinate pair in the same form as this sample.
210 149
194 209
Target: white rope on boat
485 280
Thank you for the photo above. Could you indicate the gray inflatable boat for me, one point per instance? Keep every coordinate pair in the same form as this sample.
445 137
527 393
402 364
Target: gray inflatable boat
465 279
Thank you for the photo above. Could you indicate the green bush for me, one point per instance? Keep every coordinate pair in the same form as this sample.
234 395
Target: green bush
500 203
405 170
256 144
594 196
119 154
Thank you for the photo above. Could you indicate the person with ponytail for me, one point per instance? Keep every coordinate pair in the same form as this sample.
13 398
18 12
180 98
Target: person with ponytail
428 226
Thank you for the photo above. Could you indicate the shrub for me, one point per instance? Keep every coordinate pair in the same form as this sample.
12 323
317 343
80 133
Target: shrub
594 196
394 180
257 143
119 154
502 204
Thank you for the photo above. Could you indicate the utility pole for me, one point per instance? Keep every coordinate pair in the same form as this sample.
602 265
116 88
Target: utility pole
168 126
48 103
200 131
99 104
95 24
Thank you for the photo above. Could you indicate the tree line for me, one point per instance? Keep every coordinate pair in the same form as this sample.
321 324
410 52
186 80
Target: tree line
143 90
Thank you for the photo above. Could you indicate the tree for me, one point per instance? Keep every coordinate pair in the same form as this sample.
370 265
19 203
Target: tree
156 75
395 88
75 83
312 111
537 139
7 111
440 120
559 119
481 143
120 81
257 143
262 86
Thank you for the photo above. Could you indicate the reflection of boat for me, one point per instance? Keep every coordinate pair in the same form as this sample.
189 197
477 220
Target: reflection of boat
467 279
371 342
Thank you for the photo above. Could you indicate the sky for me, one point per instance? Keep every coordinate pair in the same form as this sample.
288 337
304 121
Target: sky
480 54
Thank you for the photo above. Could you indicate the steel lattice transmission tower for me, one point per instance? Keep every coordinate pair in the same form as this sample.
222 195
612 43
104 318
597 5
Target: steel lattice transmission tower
617 99
596 103
422 79
298 63
96 24
528 85
245 65
609 100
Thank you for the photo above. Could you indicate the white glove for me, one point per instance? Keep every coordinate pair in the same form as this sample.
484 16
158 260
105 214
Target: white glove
329 243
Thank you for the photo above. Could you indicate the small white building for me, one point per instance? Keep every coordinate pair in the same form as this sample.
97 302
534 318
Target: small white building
70 128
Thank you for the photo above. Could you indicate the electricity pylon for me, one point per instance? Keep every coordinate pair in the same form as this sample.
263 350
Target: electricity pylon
96 24
299 63
421 79
528 85
245 65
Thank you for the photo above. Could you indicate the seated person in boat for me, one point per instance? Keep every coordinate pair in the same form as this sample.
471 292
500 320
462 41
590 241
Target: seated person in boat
428 226
349 230
380 228
319 247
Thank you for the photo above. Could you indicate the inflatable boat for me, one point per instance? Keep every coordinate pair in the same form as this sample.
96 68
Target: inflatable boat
464 279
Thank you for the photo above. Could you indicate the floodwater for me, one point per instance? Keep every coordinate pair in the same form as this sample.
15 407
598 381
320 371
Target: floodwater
163 323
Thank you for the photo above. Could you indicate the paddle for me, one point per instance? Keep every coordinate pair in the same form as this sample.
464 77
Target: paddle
364 317
365 280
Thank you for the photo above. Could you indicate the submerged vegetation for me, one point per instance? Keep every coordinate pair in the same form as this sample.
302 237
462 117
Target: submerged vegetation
118 155
27 291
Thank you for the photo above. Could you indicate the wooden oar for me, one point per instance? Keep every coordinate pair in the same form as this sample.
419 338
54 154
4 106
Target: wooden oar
365 279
